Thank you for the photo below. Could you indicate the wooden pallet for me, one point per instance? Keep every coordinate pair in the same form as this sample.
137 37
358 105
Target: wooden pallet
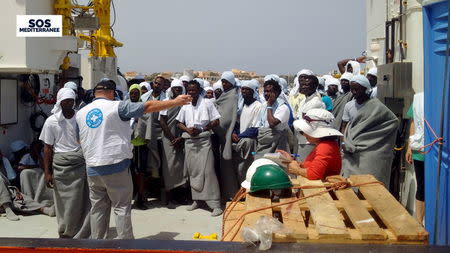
371 216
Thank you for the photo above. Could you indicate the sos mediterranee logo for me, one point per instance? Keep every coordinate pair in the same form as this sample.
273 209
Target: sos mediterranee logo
39 26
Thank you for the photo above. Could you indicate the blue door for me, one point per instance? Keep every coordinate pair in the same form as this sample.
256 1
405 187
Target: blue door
437 204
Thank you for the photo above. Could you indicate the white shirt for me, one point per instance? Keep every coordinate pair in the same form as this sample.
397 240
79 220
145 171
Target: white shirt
312 102
350 110
62 135
249 116
282 114
199 115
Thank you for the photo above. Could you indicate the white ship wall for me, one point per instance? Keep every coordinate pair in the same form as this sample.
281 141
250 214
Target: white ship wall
378 11
30 55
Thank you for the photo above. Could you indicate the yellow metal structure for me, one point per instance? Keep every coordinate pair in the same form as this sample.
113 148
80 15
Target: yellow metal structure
102 42
66 63
64 7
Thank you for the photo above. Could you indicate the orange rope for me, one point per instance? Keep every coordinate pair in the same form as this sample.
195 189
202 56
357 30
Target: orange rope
437 140
236 199
335 186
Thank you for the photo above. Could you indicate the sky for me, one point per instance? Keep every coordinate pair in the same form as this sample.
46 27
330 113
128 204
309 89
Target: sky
266 36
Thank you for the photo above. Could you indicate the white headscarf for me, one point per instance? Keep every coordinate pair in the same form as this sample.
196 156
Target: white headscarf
252 84
305 72
238 82
294 90
347 76
146 85
218 85
206 83
229 76
175 83
284 85
185 78
355 65
201 82
332 81
71 85
363 81
276 78
63 93
146 95
373 71
209 88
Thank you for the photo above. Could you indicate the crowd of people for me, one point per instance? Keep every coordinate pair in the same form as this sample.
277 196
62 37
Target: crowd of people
196 140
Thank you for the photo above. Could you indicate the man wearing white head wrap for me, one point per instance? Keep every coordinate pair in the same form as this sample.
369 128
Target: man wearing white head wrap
229 78
373 79
209 93
273 119
342 99
332 87
201 82
351 65
361 93
63 94
145 89
246 129
196 121
153 129
313 100
218 89
185 79
370 134
64 162
296 97
173 171
227 105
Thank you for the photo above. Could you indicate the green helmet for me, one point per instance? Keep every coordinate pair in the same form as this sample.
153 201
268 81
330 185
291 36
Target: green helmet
270 177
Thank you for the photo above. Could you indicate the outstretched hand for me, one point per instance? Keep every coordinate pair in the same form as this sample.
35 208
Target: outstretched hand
183 99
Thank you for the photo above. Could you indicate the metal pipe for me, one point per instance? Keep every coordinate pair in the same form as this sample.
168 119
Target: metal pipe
386 42
393 39
400 41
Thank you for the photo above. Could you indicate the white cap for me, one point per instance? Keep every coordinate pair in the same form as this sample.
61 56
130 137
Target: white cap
317 123
252 169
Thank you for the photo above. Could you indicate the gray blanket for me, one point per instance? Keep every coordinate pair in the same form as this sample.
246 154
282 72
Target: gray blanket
71 193
8 195
243 157
173 170
338 109
369 142
148 128
199 164
227 107
270 140
32 184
